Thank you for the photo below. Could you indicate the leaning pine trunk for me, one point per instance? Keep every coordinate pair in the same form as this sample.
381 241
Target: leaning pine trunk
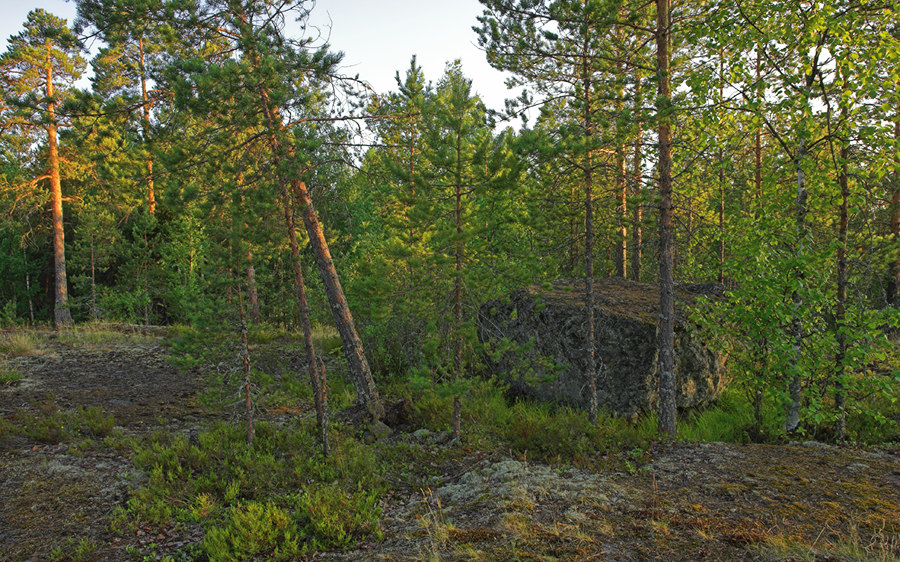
315 380
361 375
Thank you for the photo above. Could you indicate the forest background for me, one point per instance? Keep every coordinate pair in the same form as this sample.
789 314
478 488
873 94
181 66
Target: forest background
220 158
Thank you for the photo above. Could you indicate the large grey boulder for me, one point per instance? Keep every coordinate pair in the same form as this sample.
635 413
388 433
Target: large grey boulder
536 342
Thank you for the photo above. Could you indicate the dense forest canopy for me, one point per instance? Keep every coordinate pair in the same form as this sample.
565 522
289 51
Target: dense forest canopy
220 158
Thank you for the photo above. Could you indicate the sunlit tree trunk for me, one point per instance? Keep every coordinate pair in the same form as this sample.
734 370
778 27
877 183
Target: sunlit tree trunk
589 237
61 314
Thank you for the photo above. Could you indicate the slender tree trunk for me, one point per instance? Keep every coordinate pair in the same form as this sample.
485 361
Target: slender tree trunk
667 419
621 188
589 240
840 398
306 324
252 293
95 313
61 314
757 138
795 390
322 407
145 124
721 277
28 287
245 363
894 292
637 190
457 289
573 229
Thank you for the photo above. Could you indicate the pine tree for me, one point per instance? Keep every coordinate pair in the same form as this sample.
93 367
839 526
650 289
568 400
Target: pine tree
248 80
38 70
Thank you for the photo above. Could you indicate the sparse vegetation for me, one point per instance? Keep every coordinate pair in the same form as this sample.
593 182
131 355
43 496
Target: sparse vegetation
281 499
9 375
47 423
20 342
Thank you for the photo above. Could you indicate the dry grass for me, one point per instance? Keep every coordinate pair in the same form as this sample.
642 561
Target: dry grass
99 335
15 344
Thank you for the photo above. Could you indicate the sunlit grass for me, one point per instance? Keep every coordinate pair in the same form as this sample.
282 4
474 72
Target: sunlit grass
15 344
101 335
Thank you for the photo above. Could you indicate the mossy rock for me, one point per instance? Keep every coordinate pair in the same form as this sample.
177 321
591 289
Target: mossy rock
537 336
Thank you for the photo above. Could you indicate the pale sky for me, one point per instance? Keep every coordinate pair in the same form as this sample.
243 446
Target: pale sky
378 37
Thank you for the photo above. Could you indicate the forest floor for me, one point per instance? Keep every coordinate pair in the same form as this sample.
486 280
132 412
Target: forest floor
671 501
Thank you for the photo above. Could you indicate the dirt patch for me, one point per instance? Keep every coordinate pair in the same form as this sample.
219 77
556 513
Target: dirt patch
58 499
135 382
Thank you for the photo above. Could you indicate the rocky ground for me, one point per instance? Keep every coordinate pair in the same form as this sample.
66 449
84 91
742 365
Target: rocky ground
675 501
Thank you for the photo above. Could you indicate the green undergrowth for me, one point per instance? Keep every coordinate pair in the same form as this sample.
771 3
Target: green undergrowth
870 420
48 423
278 498
525 428
561 434
9 375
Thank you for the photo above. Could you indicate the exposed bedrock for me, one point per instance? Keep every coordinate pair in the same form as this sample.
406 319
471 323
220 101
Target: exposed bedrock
537 340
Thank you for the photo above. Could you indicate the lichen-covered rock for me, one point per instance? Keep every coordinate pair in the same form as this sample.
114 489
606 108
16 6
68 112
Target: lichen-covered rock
536 341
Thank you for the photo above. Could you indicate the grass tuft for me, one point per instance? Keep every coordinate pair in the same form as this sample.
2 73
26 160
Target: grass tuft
15 344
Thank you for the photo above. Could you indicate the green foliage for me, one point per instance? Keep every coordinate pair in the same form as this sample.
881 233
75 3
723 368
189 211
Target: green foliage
9 375
238 492
253 530
337 518
532 429
49 424
82 549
